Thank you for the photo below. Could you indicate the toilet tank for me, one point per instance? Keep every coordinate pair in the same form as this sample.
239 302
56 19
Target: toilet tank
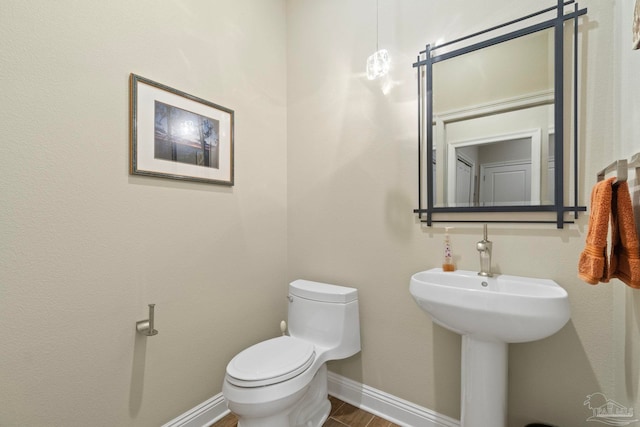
326 315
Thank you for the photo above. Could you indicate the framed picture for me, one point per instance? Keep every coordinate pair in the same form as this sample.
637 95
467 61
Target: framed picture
179 136
636 26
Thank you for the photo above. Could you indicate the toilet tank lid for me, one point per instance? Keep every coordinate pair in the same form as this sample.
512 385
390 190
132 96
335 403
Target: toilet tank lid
323 292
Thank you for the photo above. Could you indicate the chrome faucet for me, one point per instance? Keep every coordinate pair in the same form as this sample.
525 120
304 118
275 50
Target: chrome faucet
484 248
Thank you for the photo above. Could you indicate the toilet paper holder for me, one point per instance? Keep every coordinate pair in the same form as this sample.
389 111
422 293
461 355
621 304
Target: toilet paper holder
145 327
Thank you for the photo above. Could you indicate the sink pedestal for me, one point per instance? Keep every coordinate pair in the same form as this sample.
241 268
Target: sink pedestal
484 383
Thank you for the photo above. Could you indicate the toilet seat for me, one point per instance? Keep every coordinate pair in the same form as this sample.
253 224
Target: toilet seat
270 362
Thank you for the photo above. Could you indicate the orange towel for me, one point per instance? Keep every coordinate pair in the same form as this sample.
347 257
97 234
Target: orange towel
592 266
625 248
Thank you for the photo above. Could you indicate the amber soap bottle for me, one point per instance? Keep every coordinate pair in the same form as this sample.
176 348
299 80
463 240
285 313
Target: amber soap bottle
447 263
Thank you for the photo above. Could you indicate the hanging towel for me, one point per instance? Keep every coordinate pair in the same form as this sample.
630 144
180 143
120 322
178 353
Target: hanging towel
592 266
624 263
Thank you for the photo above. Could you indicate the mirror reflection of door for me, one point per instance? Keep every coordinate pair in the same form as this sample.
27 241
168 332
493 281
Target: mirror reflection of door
496 171
505 183
505 172
434 184
464 182
551 169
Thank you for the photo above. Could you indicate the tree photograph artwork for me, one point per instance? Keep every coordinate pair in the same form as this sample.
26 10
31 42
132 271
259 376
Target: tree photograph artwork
186 137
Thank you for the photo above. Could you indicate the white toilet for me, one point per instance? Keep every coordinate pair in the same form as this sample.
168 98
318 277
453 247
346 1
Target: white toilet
282 382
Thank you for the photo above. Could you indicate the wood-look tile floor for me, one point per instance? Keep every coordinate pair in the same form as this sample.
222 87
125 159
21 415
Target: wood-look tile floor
342 415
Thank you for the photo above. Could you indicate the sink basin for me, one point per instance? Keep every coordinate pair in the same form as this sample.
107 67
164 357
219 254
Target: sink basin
489 313
505 308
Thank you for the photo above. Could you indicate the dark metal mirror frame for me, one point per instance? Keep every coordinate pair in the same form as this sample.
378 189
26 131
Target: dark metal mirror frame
424 64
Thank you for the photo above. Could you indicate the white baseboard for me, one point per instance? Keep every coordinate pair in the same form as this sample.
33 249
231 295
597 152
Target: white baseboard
202 415
391 408
394 409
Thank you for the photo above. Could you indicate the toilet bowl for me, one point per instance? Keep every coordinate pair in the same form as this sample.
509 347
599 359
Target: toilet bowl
282 382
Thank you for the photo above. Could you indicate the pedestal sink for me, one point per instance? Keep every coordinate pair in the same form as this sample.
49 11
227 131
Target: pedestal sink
489 313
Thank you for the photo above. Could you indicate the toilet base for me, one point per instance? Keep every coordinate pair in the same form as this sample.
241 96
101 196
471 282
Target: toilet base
309 407
314 408
276 420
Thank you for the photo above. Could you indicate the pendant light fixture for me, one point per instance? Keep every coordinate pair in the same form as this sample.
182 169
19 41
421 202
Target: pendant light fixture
378 64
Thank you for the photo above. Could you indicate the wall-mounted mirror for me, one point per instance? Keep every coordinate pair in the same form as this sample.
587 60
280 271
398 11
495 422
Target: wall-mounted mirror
492 120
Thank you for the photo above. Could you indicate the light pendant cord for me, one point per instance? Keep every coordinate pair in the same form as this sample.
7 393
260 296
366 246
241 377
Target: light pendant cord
378 63
377 24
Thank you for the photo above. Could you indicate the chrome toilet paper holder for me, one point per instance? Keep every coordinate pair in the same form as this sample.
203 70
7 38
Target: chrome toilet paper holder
145 327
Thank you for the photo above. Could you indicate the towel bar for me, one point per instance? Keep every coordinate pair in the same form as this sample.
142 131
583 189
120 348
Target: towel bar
621 168
635 161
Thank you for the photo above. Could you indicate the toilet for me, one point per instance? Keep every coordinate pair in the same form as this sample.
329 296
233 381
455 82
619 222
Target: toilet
282 382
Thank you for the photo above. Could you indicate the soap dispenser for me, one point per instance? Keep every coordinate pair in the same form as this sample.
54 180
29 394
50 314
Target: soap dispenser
447 263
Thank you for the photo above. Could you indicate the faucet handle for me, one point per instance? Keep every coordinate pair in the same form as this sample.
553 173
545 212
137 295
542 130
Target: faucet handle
485 232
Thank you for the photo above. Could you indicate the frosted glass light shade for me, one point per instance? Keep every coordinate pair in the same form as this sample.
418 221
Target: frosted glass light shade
378 64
